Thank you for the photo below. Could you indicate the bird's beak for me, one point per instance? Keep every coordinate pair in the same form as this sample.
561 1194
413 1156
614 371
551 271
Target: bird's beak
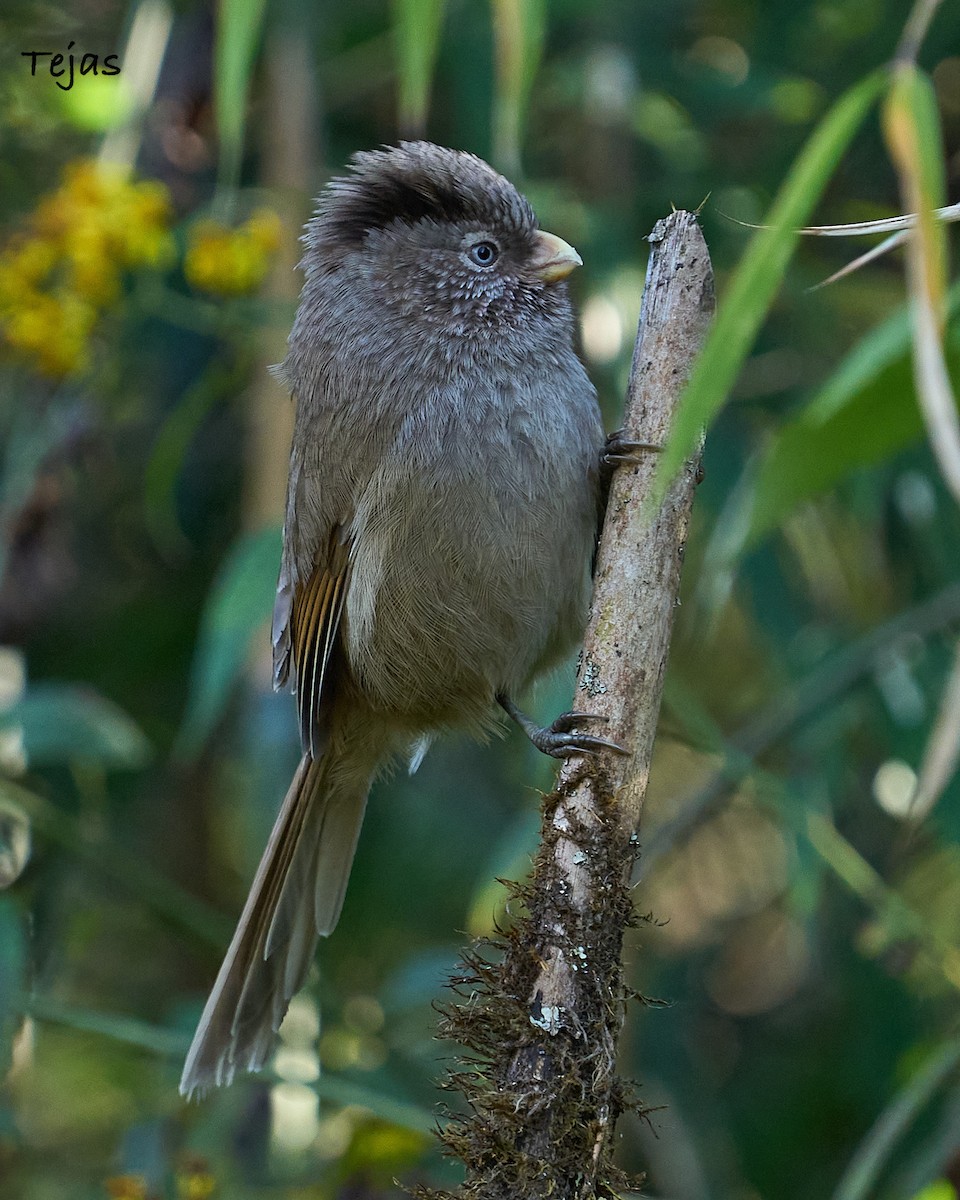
553 258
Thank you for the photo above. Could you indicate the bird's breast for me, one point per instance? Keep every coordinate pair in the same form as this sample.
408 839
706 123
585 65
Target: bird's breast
472 542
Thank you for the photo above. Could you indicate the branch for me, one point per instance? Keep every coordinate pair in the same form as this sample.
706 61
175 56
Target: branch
543 1024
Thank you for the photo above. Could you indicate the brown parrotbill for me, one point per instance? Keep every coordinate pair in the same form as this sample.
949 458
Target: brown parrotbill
445 482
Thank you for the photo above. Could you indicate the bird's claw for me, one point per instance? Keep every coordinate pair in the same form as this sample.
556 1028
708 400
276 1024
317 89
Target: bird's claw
566 721
559 741
619 449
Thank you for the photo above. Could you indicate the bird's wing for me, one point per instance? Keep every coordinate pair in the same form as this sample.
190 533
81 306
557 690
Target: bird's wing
314 622
305 621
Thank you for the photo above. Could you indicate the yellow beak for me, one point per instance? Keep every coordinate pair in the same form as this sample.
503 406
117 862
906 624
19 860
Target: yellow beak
553 258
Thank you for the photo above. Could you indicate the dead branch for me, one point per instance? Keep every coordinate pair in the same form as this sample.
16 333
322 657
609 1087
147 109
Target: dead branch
543 1023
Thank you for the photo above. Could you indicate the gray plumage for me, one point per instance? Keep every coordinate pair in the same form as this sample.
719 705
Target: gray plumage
440 518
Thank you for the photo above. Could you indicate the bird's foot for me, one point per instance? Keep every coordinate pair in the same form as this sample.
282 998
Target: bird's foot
618 449
560 740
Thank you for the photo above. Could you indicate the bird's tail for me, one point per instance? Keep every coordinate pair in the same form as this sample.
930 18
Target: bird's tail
296 897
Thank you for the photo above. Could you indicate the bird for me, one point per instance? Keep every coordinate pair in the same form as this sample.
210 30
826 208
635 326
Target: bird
447 473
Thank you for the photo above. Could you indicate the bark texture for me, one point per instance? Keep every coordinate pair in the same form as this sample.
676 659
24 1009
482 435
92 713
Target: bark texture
541 1020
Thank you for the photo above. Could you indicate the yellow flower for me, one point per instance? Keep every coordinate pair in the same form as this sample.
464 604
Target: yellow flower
29 324
92 268
195 1185
265 229
146 246
151 200
126 1187
194 1180
53 217
58 277
143 237
232 262
66 350
28 261
53 332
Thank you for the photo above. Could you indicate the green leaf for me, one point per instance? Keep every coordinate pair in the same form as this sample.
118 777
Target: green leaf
154 1038
237 38
942 1189
240 603
757 278
173 443
897 916
894 1122
171 1043
809 458
417 26
13 967
418 980
865 413
66 723
101 102
519 28
28 435
114 861
911 124
344 1092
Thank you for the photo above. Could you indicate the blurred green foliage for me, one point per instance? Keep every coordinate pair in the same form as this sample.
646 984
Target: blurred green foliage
806 929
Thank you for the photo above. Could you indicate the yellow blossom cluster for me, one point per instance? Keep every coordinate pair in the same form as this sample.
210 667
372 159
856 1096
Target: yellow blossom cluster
59 275
232 262
127 1187
195 1185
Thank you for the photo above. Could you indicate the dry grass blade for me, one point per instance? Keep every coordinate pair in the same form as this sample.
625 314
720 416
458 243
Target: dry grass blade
915 29
877 251
143 58
898 226
911 128
935 394
942 752
947 213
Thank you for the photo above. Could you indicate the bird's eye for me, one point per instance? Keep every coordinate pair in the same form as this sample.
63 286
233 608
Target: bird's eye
484 254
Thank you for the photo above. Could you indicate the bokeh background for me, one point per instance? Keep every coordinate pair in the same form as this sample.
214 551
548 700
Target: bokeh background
804 894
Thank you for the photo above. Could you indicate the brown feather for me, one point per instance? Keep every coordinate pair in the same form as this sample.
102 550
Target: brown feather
232 1029
296 897
314 621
